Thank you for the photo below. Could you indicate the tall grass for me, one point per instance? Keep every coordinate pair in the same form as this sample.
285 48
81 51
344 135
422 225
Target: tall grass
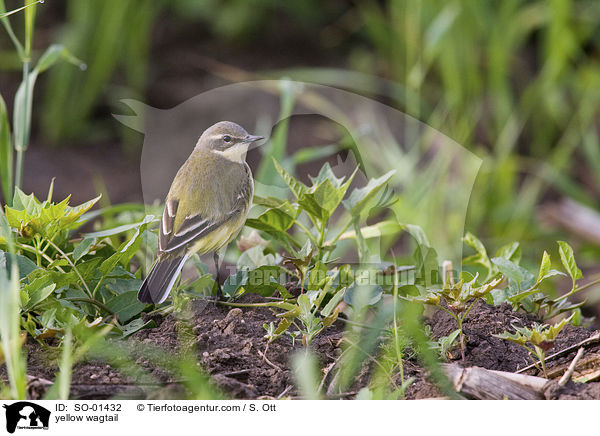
10 318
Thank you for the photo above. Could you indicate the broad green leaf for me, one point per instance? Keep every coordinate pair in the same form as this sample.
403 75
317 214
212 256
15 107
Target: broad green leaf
326 173
360 197
125 305
121 286
124 253
322 199
545 269
426 265
517 298
511 252
382 228
333 303
418 233
481 257
268 202
36 296
47 218
297 187
374 293
568 260
73 214
120 229
277 219
305 253
83 248
234 282
24 264
47 277
137 325
317 277
255 257
510 270
265 281
27 203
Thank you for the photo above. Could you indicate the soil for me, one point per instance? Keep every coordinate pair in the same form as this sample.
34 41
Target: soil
229 344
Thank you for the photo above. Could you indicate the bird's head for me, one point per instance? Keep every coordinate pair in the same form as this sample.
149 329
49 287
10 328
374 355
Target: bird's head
228 139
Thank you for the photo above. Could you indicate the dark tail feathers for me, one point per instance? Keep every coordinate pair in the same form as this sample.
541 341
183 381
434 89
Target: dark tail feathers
158 284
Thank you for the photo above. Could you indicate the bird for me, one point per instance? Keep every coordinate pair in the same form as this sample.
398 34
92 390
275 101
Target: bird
206 206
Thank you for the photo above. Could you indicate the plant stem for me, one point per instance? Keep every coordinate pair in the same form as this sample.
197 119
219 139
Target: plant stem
541 355
578 289
461 338
33 250
92 301
396 336
64 255
307 231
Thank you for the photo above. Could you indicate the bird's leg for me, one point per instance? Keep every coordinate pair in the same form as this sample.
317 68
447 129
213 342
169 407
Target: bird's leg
218 278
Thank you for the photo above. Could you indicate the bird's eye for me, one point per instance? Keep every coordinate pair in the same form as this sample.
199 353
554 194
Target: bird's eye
227 138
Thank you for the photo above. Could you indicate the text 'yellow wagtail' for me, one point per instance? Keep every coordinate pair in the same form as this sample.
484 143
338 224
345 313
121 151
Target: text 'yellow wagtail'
206 206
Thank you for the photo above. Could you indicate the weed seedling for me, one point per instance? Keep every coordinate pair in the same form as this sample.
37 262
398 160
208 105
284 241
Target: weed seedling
460 298
541 336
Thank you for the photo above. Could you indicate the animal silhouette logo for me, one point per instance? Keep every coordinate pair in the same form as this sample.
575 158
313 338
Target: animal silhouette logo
26 415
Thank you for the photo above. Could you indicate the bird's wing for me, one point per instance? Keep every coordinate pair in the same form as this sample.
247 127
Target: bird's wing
197 226
192 228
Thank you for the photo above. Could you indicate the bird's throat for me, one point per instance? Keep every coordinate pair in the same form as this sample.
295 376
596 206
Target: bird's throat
236 153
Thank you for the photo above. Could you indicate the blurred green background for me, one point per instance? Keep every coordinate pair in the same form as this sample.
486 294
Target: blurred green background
517 82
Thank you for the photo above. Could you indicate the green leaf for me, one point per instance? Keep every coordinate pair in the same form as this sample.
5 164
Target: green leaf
121 286
121 229
360 197
72 214
83 248
276 219
481 257
6 154
297 187
326 173
510 270
125 305
374 294
22 109
137 325
568 260
24 264
382 228
126 251
511 252
26 203
265 281
333 302
545 269
234 282
53 54
317 277
323 198
36 296
418 233
255 257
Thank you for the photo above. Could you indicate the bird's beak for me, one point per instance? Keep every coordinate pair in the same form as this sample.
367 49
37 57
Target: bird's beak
253 138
